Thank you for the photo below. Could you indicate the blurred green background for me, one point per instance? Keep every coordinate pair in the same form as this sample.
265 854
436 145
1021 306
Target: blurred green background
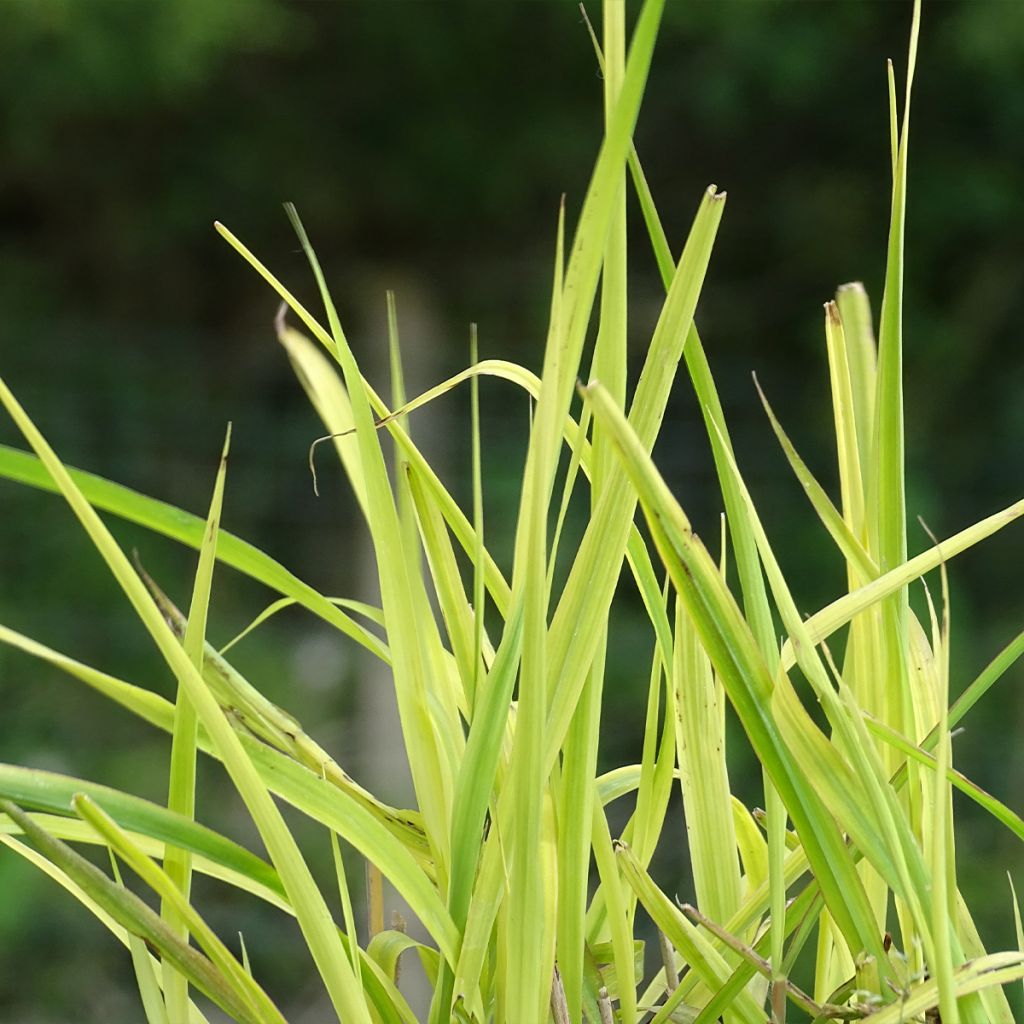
426 145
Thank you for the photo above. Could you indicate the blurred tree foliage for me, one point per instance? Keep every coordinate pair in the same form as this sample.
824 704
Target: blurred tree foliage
426 145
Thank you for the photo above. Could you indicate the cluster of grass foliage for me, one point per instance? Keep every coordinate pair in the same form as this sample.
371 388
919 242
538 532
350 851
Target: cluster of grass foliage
852 864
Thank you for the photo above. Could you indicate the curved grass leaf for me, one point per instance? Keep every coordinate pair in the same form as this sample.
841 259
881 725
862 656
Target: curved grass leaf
169 890
128 940
166 519
135 916
181 796
48 791
311 910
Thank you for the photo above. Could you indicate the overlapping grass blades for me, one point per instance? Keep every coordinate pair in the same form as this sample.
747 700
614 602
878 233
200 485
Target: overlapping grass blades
533 907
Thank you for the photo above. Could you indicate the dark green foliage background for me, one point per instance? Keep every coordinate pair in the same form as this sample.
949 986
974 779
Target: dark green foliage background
426 145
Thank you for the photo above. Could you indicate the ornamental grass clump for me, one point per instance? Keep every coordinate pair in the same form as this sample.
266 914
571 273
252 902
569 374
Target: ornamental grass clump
838 901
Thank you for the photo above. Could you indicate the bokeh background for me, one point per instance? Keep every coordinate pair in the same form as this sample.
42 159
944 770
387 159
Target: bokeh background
426 145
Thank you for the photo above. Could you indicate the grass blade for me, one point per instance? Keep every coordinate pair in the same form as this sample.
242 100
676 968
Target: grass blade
311 910
133 915
181 796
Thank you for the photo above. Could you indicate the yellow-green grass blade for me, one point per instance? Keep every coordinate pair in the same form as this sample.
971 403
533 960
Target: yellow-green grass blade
1018 926
319 380
609 359
135 916
991 674
741 668
165 519
386 947
710 966
655 774
73 830
704 776
753 849
973 977
397 401
834 616
476 780
171 894
888 486
577 623
833 963
658 761
619 914
577 812
747 562
46 867
662 250
568 489
1000 811
940 844
456 612
77 831
653 594
151 707
475 784
886 483
535 739
852 549
578 806
181 796
602 201
369 611
531 899
401 594
48 791
894 138
862 361
348 915
145 971
618 782
473 968
329 806
460 525
851 485
577 802
561 367
479 567
311 909
450 697
249 710
997 1008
